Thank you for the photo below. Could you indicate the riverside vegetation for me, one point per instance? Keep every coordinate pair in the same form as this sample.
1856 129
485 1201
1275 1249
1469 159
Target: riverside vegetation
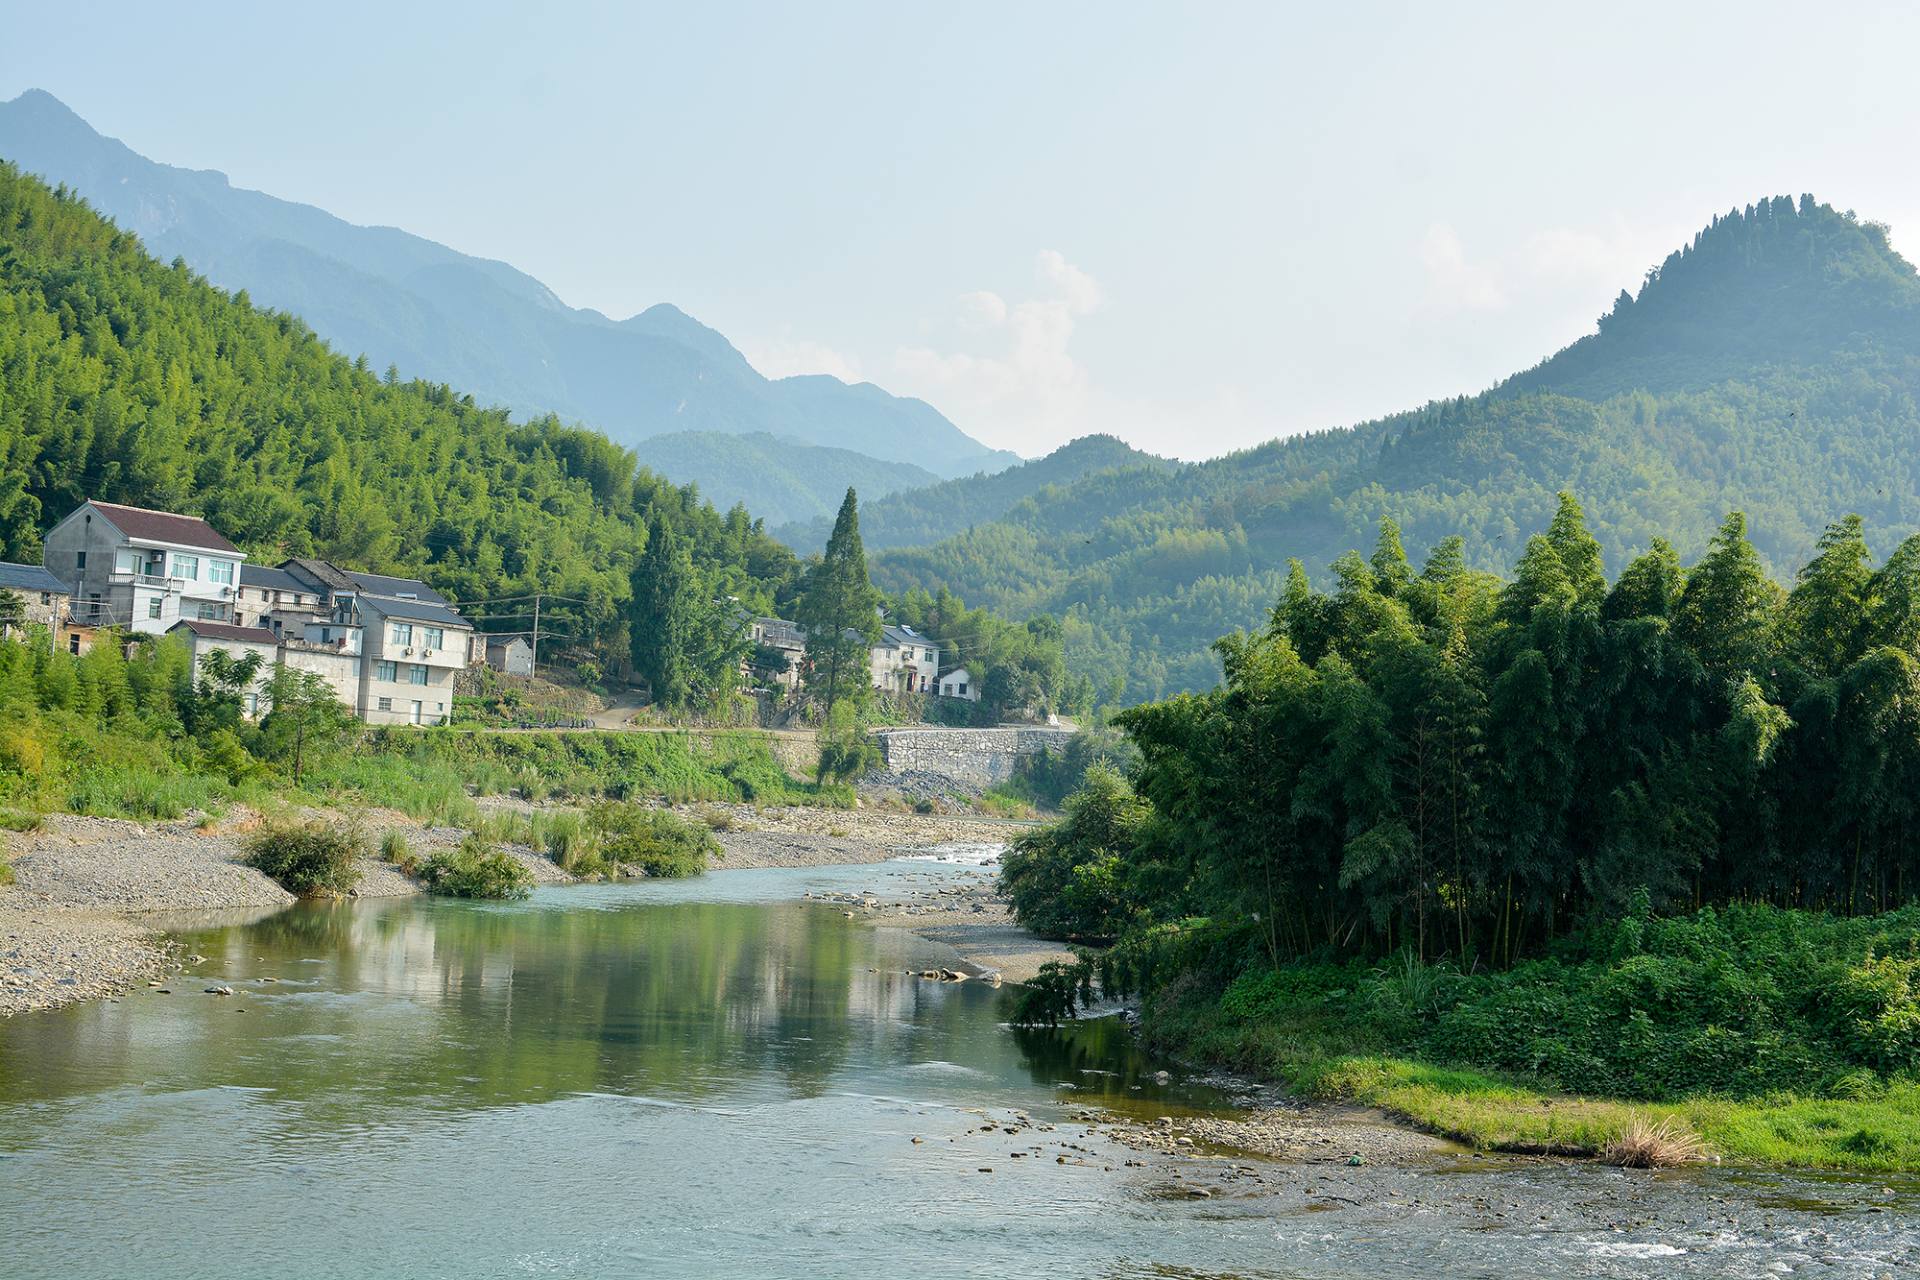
1460 847
134 736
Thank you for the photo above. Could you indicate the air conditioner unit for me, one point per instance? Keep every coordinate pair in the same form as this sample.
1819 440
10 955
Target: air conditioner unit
406 653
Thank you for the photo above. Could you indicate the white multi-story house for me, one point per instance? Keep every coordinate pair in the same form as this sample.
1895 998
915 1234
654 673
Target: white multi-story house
904 661
410 651
143 570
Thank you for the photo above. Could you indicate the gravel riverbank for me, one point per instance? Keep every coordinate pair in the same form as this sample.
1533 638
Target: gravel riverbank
85 914
83 918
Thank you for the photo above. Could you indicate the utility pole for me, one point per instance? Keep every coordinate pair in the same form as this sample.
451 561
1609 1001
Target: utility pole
536 633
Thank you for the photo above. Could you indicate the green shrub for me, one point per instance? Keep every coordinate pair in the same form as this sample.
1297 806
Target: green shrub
11 820
310 859
654 840
575 846
476 870
393 847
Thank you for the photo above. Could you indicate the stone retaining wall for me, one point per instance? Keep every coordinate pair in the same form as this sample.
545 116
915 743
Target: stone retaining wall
980 756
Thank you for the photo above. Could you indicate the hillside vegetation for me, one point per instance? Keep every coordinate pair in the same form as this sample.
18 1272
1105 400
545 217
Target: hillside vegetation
132 381
1771 365
779 480
477 324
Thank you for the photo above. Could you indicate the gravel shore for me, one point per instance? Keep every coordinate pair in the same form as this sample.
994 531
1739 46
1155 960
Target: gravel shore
799 837
84 916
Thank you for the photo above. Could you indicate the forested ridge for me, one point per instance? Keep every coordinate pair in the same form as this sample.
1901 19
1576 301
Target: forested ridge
125 379
1772 365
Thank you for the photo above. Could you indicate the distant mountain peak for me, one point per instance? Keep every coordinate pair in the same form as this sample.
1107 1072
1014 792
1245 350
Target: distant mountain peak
1779 282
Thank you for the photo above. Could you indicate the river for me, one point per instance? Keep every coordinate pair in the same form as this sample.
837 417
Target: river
718 1078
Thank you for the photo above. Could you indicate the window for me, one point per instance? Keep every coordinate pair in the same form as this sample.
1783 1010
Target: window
403 633
208 612
436 638
384 671
220 571
153 607
79 559
46 597
126 562
187 567
384 704
73 643
416 674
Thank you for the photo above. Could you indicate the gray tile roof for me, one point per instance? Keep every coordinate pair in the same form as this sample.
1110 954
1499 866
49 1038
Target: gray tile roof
29 577
259 575
412 611
379 584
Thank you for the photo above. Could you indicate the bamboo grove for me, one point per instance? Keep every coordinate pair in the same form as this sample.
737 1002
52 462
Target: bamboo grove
1434 759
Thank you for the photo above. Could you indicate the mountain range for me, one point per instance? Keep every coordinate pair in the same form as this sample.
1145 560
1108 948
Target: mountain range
1771 365
479 325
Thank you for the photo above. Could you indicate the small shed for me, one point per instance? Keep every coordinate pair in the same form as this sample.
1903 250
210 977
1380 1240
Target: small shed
959 683
511 654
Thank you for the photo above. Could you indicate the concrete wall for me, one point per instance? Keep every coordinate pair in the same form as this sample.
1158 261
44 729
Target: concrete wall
980 756
339 669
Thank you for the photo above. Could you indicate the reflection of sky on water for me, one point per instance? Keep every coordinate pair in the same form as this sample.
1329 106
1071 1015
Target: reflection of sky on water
686 1078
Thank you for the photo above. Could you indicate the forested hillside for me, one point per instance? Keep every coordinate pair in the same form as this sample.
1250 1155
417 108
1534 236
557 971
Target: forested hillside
1771 366
481 325
928 515
128 380
781 480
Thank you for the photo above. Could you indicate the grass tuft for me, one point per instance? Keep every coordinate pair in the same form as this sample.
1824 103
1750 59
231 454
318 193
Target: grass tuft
1647 1143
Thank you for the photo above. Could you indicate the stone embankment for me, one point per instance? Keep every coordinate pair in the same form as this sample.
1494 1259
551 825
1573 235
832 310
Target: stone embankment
982 757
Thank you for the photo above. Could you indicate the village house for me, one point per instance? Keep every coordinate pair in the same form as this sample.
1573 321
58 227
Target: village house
236 642
140 569
901 661
273 598
389 647
787 639
904 661
959 683
511 655
42 598
410 651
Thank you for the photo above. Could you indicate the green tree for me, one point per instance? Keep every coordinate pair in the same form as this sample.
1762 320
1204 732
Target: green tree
661 621
838 610
1826 617
305 715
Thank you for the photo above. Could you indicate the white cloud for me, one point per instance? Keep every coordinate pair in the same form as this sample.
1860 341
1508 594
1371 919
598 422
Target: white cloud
789 357
1555 268
1458 282
1017 383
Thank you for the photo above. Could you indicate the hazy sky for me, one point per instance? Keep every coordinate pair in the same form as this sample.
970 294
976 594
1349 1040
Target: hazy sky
1196 226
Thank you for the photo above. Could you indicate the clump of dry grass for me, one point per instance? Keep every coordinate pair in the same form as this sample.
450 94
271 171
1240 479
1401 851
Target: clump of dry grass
1654 1144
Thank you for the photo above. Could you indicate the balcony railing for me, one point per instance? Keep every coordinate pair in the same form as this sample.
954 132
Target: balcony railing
140 579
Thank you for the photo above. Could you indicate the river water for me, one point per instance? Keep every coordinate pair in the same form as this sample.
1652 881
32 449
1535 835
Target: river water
717 1078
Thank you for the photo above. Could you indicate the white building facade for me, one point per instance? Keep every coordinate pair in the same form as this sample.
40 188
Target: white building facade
904 661
143 570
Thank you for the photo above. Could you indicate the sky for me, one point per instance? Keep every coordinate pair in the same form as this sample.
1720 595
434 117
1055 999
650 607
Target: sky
1196 227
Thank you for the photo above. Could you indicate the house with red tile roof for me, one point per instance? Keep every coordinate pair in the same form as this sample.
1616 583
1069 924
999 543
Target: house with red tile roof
141 569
